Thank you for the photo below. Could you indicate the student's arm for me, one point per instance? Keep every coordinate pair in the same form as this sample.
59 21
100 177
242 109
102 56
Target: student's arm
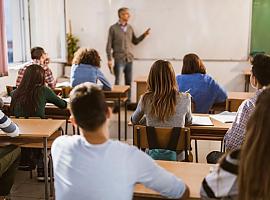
221 94
138 114
222 181
6 125
109 44
147 172
51 97
49 79
189 113
106 84
137 40
235 135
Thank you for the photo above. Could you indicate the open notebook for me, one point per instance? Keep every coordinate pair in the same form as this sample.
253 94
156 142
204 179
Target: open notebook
201 121
225 117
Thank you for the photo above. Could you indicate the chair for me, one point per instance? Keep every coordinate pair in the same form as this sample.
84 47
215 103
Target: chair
163 137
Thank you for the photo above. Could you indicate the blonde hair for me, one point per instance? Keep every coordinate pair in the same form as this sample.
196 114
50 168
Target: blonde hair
254 171
161 90
86 56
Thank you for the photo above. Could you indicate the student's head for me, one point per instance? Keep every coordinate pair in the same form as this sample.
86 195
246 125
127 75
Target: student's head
253 54
123 14
88 107
193 64
260 72
254 172
161 90
87 56
38 53
28 92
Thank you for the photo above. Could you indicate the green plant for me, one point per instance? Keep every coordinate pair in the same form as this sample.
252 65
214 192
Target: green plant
72 46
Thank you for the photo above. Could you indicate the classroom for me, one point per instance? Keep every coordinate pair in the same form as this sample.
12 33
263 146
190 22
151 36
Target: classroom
134 100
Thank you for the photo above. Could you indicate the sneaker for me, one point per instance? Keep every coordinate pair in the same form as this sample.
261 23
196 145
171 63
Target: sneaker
41 176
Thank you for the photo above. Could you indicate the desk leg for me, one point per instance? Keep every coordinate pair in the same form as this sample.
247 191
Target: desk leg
247 80
125 120
119 118
196 151
45 153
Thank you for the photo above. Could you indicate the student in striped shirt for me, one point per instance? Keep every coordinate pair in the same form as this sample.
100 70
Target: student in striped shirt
9 156
251 179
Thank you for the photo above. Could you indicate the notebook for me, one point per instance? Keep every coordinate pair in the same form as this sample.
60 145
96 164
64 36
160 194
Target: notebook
201 121
225 117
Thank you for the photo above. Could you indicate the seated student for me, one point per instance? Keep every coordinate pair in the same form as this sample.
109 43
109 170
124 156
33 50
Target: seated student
204 90
39 57
85 68
245 175
9 156
91 166
29 100
162 105
260 77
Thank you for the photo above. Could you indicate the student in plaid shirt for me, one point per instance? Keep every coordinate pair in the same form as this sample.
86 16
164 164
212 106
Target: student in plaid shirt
39 57
260 77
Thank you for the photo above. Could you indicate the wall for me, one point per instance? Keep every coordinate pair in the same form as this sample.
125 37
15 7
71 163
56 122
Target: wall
227 73
13 71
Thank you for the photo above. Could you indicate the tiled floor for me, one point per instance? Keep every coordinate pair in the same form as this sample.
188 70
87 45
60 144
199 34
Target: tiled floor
29 189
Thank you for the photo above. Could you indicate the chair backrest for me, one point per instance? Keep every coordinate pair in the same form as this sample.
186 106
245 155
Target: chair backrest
163 136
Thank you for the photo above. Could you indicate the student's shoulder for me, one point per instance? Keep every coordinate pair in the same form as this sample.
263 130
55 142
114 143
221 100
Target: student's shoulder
184 96
123 147
65 141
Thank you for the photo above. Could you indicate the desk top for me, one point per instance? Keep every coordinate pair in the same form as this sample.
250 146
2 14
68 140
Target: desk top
191 173
37 128
118 89
240 95
141 79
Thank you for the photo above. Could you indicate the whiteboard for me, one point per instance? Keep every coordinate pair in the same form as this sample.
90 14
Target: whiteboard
214 29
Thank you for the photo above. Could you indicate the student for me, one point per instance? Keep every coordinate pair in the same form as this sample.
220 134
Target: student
39 57
29 100
9 156
260 77
162 105
85 68
204 90
245 175
91 166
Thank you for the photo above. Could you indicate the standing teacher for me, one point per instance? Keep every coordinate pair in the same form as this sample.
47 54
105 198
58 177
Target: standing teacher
120 40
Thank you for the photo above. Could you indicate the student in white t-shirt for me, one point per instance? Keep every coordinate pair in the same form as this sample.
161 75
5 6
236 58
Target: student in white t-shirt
91 166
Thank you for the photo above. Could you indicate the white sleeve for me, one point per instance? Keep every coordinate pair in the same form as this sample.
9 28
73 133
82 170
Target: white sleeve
147 172
7 126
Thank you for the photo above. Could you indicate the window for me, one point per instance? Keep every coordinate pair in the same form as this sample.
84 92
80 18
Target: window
35 23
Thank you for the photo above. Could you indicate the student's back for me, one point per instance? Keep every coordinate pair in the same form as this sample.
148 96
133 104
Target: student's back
204 90
106 171
86 68
162 105
30 98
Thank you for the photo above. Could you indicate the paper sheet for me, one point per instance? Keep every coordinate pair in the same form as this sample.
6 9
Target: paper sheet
201 121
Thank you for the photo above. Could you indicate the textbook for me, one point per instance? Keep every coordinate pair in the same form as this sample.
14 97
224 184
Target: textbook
201 121
225 117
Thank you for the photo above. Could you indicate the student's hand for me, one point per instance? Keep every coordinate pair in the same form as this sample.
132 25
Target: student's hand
110 65
147 32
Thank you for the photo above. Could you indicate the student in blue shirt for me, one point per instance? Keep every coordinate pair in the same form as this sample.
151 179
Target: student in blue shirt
85 68
204 90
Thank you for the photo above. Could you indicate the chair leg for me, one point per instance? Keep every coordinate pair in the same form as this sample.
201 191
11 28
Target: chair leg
51 176
196 151
74 131
66 131
31 174
221 147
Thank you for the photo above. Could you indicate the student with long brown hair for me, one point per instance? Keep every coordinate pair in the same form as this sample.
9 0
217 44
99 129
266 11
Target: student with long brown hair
162 105
29 100
205 91
245 174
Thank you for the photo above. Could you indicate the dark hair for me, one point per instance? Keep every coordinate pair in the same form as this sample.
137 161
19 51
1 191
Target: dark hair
87 56
261 69
192 64
122 10
27 94
36 52
88 106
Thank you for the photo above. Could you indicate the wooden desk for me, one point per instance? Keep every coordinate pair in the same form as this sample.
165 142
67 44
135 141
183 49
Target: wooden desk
119 93
191 173
247 74
236 98
141 86
38 129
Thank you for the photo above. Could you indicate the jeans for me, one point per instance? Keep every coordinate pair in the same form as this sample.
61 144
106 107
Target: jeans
126 67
